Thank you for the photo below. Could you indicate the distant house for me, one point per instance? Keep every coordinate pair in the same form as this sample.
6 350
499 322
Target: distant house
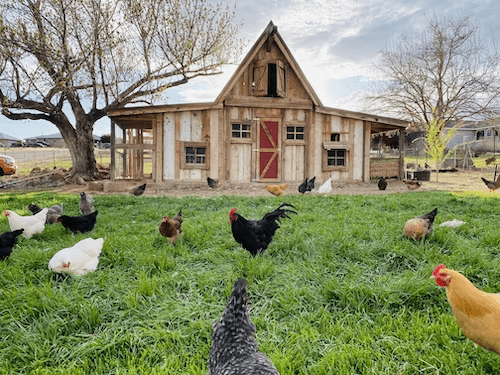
56 139
8 140
481 136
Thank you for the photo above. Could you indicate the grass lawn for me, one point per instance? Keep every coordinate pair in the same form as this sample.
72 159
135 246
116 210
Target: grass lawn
339 291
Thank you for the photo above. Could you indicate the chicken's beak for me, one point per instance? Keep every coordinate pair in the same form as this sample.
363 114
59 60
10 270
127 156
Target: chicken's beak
433 277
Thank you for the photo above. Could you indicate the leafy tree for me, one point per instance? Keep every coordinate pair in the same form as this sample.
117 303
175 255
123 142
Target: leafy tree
70 61
447 75
437 142
106 138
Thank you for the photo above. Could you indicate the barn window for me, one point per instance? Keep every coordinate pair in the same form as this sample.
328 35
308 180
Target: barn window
335 159
268 78
195 155
295 133
335 137
240 131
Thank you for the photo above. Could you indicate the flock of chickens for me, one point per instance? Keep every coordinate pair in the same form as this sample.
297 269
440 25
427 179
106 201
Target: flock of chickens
234 349
76 260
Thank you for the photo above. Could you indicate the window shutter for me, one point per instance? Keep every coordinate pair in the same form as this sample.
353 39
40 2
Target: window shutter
260 79
280 79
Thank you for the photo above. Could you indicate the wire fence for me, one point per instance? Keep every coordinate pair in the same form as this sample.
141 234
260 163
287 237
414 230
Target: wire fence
28 158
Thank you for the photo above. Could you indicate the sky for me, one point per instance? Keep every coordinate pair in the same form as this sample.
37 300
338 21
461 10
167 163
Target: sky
335 42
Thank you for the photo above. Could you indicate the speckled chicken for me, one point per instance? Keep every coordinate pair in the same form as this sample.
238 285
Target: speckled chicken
421 226
412 184
212 183
52 214
234 349
171 227
86 204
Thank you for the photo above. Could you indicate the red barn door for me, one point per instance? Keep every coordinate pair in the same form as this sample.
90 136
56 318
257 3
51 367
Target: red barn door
269 151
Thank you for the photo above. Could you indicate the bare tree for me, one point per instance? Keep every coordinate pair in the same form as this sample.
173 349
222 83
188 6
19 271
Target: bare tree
70 61
446 76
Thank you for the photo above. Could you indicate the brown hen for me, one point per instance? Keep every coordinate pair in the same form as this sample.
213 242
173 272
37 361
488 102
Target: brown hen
171 227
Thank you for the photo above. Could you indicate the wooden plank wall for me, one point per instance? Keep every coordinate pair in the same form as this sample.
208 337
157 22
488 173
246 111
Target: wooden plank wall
169 146
240 161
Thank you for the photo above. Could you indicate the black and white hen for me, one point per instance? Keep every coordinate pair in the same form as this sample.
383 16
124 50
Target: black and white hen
234 349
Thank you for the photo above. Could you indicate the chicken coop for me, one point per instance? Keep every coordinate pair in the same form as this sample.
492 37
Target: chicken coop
267 125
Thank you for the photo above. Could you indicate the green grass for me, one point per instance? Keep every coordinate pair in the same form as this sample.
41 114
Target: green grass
339 291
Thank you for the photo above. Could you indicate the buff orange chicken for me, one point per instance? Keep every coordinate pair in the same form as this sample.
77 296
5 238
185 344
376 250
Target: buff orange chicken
477 313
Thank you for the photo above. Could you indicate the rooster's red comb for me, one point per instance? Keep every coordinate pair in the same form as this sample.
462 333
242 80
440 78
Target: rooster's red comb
437 269
232 212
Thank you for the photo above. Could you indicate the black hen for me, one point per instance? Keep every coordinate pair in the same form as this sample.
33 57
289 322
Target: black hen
382 183
78 224
7 240
307 185
256 235
139 190
212 183
234 350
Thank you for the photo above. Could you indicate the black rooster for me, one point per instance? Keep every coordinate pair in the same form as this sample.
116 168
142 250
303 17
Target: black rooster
78 224
7 241
234 350
382 183
139 190
212 183
307 185
256 235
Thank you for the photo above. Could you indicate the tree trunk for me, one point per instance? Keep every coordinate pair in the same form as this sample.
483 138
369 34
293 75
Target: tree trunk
80 142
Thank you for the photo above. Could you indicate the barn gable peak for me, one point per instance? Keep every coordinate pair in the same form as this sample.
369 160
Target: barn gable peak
265 68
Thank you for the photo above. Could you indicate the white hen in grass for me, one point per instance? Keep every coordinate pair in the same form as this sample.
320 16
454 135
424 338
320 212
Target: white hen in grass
326 187
30 224
79 259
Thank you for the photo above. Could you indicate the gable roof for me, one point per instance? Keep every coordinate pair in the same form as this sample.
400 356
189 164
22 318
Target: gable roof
271 31
8 137
57 136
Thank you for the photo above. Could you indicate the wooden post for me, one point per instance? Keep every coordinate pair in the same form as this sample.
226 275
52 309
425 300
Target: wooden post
366 151
402 134
112 168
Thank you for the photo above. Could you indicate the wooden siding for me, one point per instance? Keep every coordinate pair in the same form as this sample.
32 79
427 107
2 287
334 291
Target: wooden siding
169 161
241 162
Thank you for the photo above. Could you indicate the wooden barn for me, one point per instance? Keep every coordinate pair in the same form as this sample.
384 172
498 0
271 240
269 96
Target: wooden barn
266 126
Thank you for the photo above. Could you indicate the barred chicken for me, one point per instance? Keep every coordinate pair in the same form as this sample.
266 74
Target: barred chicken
86 204
52 214
234 349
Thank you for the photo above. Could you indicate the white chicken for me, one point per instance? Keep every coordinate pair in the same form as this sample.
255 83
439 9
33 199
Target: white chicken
79 259
30 224
326 187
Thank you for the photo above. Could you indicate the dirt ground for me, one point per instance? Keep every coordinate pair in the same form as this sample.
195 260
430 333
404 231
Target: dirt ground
459 181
